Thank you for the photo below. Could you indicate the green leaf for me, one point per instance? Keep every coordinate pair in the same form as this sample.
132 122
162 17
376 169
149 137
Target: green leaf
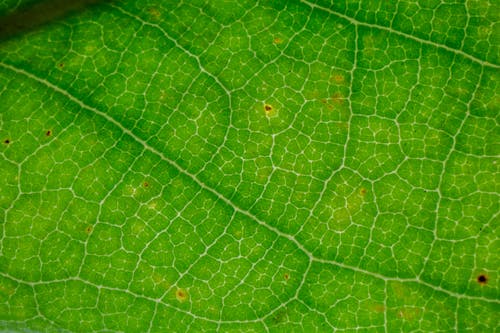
237 166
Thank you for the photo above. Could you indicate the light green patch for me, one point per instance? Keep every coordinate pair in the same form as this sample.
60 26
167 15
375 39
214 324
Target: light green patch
410 307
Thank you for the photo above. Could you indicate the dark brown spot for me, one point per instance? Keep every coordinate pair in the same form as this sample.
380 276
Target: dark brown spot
482 279
286 276
61 65
268 107
363 191
88 230
48 133
6 141
145 184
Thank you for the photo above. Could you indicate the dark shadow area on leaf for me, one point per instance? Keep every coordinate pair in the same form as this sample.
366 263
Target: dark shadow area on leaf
30 17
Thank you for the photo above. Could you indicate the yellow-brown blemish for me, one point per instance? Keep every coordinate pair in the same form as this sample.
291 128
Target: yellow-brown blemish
337 98
61 65
363 191
338 78
379 308
7 291
88 230
145 184
155 13
181 295
286 276
277 40
409 313
48 133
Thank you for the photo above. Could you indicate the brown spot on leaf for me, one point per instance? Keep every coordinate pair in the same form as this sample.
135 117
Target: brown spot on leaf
363 191
61 65
145 184
181 295
482 279
48 133
6 141
277 40
286 276
270 110
89 229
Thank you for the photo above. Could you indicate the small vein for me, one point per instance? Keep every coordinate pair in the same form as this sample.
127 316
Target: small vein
179 46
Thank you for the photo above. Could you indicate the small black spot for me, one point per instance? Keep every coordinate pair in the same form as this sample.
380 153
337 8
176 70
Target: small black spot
61 65
268 107
48 133
6 141
482 279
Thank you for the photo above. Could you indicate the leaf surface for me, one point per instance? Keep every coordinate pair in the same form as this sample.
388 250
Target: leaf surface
238 166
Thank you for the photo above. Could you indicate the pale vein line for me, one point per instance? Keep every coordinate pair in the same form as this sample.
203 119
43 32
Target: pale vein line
402 34
223 198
